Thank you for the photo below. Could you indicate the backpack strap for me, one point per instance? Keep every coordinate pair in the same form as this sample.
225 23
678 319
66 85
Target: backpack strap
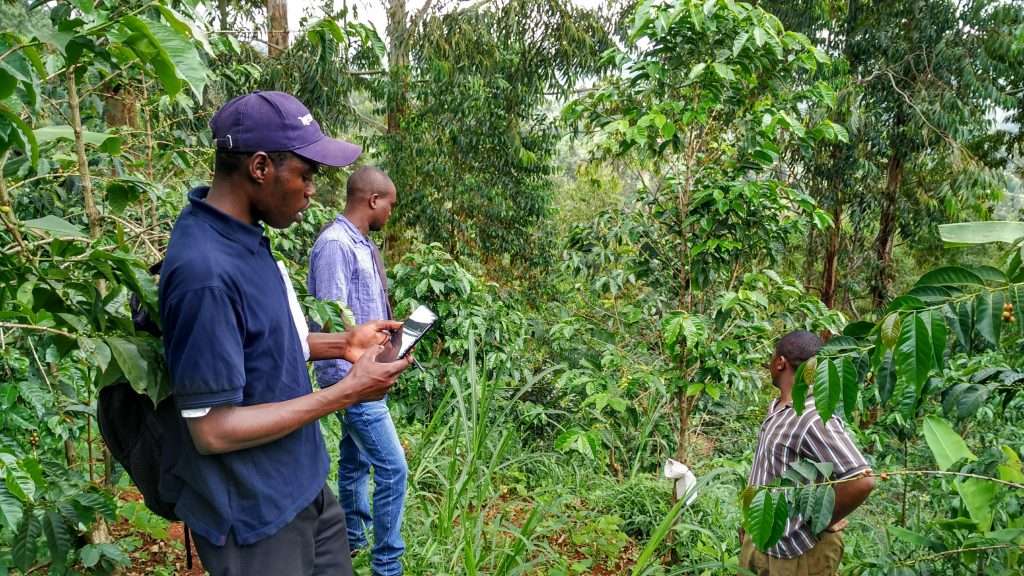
188 548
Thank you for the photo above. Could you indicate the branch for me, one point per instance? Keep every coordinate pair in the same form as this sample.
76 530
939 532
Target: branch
931 557
14 49
885 475
17 326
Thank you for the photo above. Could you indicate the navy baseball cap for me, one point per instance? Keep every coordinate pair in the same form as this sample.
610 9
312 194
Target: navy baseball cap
277 122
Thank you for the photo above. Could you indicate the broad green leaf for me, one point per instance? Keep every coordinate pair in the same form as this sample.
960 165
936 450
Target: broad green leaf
889 330
23 549
1017 299
58 537
7 84
172 56
54 226
20 484
185 26
1011 470
90 555
697 70
21 131
963 323
914 354
121 193
779 518
850 380
908 536
988 311
951 276
724 71
946 445
132 363
932 295
963 400
885 377
803 380
801 472
10 509
981 232
821 507
827 389
109 143
939 337
978 496
739 42
760 518
991 275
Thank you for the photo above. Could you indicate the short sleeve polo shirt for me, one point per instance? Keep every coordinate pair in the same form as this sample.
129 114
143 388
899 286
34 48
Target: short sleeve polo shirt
229 339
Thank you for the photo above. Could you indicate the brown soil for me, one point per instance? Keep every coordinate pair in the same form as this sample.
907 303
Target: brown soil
154 554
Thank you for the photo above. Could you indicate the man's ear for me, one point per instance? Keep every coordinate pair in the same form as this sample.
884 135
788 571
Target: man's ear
372 200
260 167
780 363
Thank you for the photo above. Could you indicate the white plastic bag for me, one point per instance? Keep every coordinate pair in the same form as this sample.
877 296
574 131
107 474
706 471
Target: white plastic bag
685 481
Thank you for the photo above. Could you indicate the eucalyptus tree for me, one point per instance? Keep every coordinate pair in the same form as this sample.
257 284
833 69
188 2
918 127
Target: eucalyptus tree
471 146
921 86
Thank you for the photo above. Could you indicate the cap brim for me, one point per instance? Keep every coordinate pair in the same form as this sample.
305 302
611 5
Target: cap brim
330 152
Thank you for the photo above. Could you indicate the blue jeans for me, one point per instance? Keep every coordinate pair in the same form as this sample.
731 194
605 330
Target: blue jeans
369 439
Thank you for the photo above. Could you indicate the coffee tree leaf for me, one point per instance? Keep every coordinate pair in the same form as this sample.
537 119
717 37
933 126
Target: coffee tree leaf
946 445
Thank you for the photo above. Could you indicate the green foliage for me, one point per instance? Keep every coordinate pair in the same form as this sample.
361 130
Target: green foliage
609 286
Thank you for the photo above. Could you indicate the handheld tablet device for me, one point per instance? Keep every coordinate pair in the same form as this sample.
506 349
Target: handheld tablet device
415 326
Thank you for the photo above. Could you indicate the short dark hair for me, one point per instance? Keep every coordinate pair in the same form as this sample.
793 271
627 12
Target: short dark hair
361 181
798 346
227 163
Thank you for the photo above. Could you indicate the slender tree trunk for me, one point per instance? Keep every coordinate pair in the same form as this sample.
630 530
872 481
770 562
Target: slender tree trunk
7 215
686 405
277 26
91 212
222 10
887 232
398 55
829 271
811 257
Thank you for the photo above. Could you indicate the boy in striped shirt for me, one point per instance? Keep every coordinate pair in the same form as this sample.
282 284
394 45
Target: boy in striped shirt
786 437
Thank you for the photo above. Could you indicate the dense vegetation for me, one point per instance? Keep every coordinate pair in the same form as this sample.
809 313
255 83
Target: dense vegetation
615 213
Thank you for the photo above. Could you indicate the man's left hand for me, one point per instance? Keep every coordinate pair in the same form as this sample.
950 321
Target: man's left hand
369 335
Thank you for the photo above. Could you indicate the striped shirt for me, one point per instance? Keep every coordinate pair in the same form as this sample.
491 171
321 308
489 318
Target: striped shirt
786 437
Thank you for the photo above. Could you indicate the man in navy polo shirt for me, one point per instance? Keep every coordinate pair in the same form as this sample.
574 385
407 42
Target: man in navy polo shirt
251 484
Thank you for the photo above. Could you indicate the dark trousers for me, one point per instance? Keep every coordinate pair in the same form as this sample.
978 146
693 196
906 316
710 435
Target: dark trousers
313 544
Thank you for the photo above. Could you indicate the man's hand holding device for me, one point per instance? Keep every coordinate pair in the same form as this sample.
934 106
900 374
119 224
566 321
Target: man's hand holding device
412 330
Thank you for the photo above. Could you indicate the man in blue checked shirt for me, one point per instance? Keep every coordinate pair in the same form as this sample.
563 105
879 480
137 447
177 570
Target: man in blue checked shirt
346 266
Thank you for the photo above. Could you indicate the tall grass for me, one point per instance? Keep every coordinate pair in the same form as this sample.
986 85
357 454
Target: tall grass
470 442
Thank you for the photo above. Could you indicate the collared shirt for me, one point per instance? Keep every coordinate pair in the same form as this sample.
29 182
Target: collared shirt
301 327
230 339
786 437
342 268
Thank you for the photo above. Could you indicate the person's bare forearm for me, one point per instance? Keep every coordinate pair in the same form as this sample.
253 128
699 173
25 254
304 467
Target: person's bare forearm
231 428
328 345
850 495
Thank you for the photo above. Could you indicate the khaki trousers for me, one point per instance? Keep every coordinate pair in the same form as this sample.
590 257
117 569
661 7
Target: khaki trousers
822 560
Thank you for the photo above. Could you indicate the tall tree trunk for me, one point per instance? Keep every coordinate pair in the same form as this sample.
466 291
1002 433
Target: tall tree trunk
829 275
91 212
887 231
277 26
222 10
811 257
398 56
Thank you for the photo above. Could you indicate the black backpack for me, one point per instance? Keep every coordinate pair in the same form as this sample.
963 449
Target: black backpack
143 439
